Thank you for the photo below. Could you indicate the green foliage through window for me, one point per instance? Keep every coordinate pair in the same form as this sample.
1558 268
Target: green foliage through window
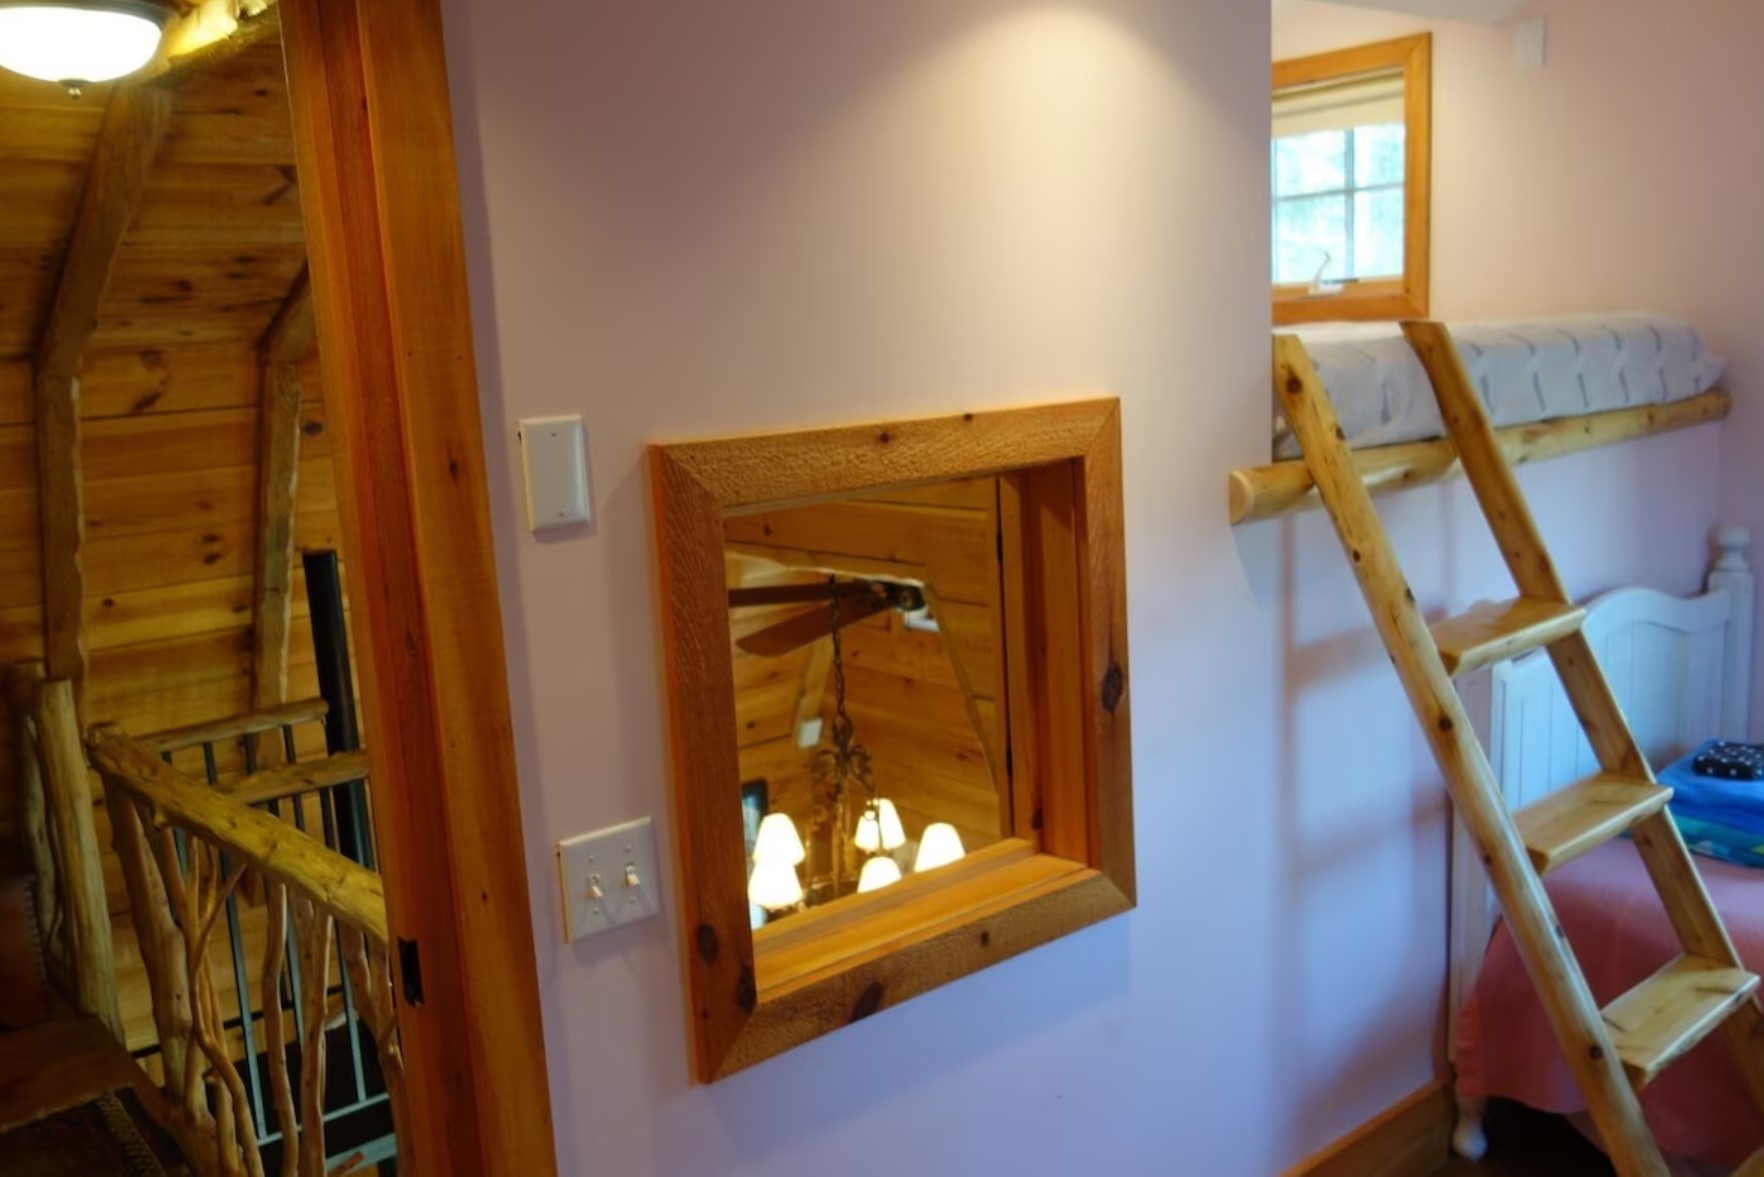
1338 198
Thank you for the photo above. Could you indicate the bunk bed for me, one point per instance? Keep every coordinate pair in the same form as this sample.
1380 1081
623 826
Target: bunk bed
1575 702
1551 387
1681 667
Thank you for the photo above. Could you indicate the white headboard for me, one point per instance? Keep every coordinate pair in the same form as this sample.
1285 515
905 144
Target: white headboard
1681 668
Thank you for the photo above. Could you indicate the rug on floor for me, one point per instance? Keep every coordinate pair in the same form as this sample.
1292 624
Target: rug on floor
96 1137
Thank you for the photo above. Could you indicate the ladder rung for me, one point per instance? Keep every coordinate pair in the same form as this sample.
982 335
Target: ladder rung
1754 1166
1655 1023
1583 817
1491 632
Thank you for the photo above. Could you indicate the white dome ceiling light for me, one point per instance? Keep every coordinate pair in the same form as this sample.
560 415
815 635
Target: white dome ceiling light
77 42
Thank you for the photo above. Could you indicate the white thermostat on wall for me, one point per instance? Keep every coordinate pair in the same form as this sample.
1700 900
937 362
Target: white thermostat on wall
554 459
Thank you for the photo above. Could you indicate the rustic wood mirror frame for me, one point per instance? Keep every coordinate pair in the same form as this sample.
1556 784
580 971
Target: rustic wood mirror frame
1069 861
367 80
1408 296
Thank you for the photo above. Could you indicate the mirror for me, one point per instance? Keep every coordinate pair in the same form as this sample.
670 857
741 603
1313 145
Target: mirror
897 672
867 645
1350 161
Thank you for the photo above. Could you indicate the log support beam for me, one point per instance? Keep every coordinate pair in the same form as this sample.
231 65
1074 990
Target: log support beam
134 126
290 339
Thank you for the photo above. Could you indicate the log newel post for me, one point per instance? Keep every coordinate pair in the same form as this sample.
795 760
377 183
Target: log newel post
74 840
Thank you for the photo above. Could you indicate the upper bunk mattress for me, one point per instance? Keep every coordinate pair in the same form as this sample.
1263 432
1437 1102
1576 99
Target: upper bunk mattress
1525 371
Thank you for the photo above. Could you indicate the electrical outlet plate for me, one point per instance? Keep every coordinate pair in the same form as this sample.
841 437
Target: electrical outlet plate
620 862
1531 40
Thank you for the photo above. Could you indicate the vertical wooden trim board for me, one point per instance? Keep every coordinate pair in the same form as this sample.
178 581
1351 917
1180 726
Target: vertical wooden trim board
368 83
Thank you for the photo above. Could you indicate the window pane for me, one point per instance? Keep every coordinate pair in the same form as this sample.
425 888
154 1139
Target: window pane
1378 154
1378 233
1304 231
1310 163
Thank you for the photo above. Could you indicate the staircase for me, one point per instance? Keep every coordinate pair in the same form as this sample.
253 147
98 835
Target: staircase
1616 1052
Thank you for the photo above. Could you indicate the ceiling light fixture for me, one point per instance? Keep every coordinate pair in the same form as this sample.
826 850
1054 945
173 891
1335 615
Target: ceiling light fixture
77 42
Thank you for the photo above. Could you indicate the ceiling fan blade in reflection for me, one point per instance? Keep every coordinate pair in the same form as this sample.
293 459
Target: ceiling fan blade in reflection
812 625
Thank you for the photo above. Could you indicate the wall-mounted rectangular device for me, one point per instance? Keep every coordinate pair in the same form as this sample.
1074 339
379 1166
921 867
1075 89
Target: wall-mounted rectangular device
554 461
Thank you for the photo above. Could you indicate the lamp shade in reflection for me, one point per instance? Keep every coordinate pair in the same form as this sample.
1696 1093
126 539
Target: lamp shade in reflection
939 845
892 835
778 841
774 886
878 873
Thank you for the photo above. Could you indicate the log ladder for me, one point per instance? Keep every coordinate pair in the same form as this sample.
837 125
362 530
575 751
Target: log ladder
1614 1053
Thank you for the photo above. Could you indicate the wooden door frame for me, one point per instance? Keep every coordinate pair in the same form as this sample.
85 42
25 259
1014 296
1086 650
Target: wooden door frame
380 196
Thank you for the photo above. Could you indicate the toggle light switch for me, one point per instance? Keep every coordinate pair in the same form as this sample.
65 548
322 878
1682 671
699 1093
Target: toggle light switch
587 863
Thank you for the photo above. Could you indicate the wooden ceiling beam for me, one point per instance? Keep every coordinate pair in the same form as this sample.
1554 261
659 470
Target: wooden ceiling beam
129 139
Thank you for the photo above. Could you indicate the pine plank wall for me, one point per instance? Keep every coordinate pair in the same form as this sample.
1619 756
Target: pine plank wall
170 392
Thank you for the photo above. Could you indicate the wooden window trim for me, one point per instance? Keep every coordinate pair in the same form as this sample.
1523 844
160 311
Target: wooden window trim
1071 861
379 191
1409 297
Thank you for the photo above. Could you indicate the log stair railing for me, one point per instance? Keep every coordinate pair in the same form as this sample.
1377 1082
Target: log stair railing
185 848
1616 1052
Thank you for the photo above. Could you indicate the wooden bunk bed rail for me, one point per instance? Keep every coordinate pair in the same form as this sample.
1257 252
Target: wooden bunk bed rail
1283 488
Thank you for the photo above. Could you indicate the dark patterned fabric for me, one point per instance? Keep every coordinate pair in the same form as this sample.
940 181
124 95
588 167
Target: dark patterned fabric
95 1138
1731 762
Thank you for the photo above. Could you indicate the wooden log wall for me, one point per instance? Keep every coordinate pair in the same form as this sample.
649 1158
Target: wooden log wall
170 393
924 703
171 450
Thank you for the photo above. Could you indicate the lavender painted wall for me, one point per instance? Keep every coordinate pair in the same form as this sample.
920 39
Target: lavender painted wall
689 218
1621 176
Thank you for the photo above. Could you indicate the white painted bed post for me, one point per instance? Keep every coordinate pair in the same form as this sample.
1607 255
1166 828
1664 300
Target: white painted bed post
1733 575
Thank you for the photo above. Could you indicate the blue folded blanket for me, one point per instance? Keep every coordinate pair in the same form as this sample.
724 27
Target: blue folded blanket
1718 841
1731 802
1718 817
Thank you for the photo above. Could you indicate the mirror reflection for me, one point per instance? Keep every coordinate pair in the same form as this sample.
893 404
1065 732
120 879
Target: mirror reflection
868 660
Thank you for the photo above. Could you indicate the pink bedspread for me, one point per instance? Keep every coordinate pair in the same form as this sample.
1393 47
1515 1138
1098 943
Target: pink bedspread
1698 1108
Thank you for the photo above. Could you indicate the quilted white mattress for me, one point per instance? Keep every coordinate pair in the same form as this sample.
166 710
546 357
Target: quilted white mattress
1526 371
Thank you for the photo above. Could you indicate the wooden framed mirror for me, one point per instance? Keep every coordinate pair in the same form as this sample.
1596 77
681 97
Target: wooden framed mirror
898 678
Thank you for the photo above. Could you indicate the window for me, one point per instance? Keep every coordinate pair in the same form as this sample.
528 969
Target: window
1349 158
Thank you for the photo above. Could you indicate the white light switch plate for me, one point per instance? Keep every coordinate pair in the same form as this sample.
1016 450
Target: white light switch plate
1531 44
621 862
554 460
